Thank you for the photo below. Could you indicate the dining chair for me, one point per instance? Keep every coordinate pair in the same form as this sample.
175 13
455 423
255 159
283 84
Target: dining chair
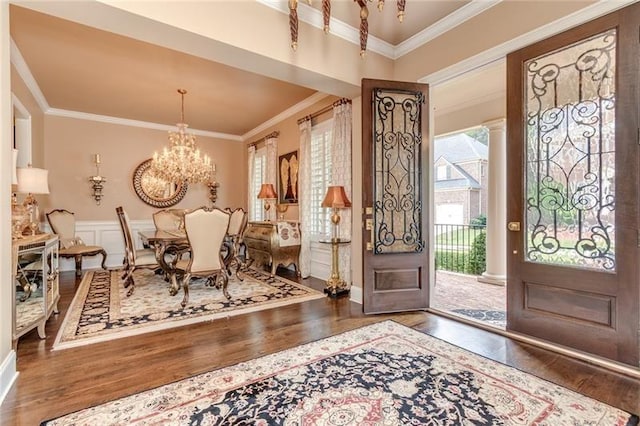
63 224
134 259
206 229
169 219
235 240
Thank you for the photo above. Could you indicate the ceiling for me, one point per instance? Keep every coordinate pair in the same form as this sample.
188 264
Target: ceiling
82 69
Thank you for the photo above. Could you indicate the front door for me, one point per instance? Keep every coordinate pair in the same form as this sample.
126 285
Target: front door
572 127
394 196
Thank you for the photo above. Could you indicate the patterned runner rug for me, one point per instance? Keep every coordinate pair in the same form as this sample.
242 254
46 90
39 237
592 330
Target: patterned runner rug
382 374
101 310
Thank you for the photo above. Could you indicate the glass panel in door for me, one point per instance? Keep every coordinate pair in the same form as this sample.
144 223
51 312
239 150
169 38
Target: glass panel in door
570 105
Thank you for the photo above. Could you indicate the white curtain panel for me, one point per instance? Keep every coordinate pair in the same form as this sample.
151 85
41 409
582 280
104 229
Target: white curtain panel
272 162
341 175
253 192
304 201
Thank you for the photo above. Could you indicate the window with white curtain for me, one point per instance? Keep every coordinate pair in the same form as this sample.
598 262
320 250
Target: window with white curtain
320 179
259 176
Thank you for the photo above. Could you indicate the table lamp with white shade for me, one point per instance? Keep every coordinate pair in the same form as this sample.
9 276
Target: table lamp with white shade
33 181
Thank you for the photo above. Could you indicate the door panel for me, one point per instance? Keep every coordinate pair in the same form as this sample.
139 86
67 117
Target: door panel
395 258
572 105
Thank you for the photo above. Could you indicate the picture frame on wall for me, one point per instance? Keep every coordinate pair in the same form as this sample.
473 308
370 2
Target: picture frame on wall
288 165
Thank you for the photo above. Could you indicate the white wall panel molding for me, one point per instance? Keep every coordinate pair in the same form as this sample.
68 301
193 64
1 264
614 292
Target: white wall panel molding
8 374
108 235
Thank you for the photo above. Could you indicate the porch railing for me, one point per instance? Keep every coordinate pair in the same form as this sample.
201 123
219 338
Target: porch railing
460 248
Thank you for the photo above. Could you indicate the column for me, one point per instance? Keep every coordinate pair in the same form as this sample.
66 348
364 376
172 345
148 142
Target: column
496 268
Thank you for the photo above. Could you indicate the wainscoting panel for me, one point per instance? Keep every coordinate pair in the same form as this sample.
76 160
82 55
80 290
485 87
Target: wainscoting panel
320 261
108 235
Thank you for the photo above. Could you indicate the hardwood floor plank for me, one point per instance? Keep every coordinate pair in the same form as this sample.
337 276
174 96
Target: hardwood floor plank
53 383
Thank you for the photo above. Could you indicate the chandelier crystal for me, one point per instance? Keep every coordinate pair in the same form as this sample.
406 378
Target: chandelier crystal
326 18
182 160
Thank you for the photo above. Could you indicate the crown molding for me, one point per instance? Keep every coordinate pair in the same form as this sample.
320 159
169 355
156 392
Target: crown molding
300 106
500 51
136 123
345 31
466 12
25 73
17 104
337 27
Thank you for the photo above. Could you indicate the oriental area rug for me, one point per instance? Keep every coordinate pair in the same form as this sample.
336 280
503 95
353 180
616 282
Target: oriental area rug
381 374
102 311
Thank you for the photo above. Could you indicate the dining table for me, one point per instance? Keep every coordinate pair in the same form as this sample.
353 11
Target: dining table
169 246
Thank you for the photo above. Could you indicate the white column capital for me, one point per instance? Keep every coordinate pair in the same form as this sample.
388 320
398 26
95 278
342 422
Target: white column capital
496 124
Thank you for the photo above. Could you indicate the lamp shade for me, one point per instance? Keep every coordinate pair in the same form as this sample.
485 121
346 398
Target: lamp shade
33 181
14 175
267 191
336 198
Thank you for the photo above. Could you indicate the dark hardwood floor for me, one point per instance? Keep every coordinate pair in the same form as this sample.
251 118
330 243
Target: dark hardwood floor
51 384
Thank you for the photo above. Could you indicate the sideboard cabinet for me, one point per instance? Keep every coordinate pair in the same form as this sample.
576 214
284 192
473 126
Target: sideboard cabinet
273 244
35 289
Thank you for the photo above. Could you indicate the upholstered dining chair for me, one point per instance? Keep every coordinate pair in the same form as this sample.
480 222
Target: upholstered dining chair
169 219
235 240
206 229
134 259
63 224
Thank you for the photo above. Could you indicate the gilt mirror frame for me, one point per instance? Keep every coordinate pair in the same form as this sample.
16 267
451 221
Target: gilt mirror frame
177 194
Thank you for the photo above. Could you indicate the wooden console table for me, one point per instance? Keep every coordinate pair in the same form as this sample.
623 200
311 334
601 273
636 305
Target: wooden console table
274 244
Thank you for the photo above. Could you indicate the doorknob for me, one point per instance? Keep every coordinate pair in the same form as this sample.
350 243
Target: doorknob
513 226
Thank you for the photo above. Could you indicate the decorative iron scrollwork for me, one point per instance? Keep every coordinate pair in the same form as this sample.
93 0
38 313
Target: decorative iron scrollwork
570 134
397 207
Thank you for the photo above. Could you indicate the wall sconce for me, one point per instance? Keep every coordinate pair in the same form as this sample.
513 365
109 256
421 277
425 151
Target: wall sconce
97 181
213 191
213 185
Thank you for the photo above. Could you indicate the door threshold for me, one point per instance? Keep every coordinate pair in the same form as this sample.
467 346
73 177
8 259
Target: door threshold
614 366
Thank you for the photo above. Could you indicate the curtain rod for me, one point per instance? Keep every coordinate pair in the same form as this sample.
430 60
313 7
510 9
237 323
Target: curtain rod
325 109
273 134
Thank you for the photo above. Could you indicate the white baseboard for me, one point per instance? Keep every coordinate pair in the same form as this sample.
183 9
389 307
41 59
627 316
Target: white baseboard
356 294
8 374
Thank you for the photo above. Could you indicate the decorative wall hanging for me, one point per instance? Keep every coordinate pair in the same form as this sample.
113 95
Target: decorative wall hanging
155 191
288 166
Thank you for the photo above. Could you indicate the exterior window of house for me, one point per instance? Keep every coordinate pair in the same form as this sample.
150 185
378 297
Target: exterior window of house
320 179
442 172
259 176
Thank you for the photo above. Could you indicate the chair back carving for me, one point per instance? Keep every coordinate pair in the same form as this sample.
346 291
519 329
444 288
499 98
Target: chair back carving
237 222
206 229
63 224
129 246
168 219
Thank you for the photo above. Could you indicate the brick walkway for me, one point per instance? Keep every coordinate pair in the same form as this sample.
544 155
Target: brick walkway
472 299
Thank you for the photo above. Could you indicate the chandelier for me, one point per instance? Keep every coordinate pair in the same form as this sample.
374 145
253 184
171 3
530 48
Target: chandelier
182 161
326 18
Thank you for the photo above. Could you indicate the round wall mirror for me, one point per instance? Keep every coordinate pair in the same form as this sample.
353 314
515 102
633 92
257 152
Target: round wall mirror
155 191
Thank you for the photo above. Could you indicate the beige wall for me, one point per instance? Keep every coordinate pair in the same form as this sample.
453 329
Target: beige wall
499 24
468 117
289 140
71 144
